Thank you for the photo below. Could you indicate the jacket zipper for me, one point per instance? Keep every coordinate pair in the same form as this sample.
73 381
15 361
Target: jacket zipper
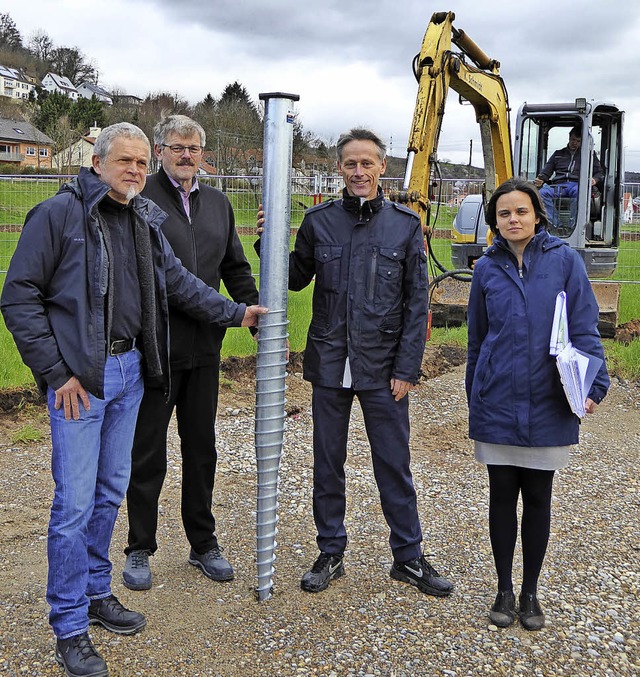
572 162
372 273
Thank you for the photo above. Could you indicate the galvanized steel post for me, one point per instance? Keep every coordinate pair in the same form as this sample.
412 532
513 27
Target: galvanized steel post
272 336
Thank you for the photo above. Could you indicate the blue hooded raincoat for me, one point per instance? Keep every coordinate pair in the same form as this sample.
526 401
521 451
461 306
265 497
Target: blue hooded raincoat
513 388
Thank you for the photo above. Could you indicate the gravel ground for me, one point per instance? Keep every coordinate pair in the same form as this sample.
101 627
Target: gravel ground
365 623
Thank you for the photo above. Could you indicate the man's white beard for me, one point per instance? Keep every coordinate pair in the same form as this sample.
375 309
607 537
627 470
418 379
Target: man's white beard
131 193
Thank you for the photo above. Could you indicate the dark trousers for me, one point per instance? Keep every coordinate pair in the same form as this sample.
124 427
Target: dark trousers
194 395
387 425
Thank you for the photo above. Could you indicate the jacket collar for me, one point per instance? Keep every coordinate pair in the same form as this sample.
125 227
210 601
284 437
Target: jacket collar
366 209
541 240
87 187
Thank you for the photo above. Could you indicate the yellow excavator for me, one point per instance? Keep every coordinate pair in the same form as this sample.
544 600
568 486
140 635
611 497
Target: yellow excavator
450 59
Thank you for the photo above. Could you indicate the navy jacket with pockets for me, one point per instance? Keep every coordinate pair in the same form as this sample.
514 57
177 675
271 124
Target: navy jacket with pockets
370 292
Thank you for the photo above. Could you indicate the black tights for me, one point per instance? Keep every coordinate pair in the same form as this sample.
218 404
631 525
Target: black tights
505 484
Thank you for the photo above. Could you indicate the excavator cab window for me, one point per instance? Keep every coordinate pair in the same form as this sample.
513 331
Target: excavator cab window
531 149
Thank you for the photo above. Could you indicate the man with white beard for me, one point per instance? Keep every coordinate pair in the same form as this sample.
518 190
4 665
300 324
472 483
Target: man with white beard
86 298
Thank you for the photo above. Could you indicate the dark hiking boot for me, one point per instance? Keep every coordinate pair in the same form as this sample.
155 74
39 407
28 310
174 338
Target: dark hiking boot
79 658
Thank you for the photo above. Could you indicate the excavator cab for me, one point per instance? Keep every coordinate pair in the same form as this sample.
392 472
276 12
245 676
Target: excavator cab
587 216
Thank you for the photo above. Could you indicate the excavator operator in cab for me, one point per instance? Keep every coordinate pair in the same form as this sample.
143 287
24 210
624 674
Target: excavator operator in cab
564 167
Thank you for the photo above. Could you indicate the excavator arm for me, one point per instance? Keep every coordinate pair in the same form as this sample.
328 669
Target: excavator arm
475 77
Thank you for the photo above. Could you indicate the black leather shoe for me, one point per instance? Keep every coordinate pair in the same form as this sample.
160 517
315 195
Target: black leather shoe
78 657
503 611
109 613
420 573
530 613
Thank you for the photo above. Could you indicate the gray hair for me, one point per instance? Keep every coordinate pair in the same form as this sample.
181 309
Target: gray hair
360 134
181 125
108 135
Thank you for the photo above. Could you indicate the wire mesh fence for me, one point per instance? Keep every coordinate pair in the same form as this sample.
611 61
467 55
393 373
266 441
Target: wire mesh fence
19 194
628 268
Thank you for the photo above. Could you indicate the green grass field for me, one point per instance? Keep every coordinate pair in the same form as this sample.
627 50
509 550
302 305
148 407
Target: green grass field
13 373
245 210
18 196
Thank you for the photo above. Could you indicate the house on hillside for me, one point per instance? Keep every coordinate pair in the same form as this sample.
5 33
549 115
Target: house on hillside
126 100
15 84
21 143
31 79
58 83
78 154
87 89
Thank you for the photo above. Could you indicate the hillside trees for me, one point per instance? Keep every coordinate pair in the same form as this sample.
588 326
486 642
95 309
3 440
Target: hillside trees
157 105
53 107
71 63
12 51
41 46
86 113
82 114
40 55
10 38
234 130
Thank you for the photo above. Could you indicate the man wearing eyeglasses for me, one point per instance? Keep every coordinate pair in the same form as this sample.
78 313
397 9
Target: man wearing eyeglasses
201 229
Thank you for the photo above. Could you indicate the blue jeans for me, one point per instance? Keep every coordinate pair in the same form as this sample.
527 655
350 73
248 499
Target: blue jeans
91 463
559 190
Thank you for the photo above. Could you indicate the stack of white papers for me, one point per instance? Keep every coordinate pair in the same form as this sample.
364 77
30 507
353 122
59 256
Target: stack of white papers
577 369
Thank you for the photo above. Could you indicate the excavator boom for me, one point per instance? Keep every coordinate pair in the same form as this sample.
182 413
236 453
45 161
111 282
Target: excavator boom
476 78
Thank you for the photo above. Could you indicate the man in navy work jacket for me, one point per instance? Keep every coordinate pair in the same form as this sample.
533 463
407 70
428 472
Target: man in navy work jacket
86 298
366 339
201 230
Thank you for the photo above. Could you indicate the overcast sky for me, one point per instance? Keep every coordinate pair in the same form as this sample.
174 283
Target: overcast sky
350 62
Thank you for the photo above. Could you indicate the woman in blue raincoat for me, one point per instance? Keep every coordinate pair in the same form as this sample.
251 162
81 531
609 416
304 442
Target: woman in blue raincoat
519 416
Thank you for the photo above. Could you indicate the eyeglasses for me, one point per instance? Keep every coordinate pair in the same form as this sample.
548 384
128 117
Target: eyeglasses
179 150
